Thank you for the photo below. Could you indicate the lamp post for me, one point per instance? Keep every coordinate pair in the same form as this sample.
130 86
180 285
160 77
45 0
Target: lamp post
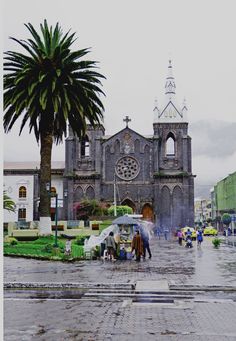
115 203
56 217
55 195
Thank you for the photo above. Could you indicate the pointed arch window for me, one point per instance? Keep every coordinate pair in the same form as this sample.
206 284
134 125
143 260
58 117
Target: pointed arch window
22 192
85 147
170 146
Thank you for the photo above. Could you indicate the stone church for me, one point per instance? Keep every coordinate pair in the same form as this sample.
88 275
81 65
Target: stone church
153 175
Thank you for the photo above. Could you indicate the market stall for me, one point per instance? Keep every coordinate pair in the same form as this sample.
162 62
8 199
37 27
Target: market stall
123 237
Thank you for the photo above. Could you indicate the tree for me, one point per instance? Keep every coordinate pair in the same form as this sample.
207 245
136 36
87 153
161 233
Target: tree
87 208
226 219
209 221
48 87
8 203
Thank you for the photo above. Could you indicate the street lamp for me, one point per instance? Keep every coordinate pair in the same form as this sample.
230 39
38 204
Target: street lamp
115 204
55 195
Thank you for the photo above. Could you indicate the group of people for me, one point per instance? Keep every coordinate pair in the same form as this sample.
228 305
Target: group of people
140 245
188 237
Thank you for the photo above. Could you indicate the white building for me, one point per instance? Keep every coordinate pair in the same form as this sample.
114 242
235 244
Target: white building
22 186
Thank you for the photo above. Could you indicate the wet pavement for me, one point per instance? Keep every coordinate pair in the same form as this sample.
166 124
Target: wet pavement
100 301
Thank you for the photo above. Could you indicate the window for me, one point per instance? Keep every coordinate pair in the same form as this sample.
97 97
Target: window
170 146
85 147
22 214
22 192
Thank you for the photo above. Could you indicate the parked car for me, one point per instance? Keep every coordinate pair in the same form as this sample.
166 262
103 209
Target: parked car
185 229
210 231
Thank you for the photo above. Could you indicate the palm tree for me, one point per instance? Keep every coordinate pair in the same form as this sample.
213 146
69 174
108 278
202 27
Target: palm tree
8 203
48 87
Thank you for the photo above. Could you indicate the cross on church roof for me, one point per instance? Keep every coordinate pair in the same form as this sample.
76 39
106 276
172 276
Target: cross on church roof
127 120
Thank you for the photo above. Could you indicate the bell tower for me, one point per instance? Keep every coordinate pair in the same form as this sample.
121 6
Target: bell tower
82 176
173 178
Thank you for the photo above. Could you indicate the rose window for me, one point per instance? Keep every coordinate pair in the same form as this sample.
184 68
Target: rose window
127 168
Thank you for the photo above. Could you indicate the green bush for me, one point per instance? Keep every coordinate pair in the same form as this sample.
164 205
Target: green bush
12 241
44 240
216 242
120 210
80 239
48 248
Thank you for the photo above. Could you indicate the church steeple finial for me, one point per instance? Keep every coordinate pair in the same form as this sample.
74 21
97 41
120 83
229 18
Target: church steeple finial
126 120
170 81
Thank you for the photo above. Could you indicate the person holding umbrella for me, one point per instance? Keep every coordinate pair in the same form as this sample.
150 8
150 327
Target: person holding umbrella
137 246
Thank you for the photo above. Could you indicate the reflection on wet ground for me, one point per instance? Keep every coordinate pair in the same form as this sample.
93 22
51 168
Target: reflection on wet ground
170 261
104 305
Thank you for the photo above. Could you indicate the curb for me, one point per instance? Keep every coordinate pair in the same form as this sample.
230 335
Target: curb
30 285
202 287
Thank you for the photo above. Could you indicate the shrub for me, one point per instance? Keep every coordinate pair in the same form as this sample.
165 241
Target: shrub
120 210
13 241
44 240
80 239
48 248
216 242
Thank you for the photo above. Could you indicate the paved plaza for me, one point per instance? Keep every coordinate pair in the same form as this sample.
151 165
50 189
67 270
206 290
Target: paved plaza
179 294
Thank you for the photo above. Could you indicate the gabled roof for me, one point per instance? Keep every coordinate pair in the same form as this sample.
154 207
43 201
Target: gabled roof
107 138
172 104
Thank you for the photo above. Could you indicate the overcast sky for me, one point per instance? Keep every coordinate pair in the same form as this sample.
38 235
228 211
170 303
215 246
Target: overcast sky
133 41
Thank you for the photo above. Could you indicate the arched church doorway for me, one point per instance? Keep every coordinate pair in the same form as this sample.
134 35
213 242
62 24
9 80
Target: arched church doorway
130 203
147 212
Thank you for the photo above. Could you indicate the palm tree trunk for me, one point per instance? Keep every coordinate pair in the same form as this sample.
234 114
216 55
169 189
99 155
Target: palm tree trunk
46 141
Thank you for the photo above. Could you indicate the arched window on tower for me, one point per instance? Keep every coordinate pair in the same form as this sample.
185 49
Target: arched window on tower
85 147
22 192
170 145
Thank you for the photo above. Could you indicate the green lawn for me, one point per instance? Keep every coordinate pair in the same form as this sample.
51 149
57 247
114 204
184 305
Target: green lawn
43 248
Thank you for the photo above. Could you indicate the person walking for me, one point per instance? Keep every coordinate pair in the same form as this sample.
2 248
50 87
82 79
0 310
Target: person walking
166 232
111 246
146 246
199 237
180 236
137 246
158 232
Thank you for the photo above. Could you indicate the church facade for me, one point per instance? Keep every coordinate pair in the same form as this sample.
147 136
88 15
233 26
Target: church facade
153 174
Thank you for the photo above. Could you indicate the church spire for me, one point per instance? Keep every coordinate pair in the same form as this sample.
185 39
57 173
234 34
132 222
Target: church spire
170 111
170 81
